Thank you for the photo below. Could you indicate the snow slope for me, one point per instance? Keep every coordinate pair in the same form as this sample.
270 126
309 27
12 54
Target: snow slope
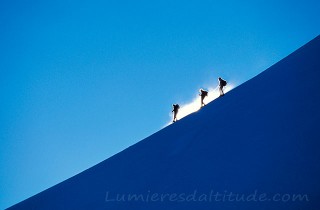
261 137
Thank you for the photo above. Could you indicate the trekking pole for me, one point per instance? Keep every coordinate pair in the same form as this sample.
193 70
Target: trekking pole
215 88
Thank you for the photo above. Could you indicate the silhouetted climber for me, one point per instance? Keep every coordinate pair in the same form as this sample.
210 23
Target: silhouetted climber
175 110
222 84
203 94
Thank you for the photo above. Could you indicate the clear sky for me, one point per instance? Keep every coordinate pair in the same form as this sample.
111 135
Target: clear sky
83 80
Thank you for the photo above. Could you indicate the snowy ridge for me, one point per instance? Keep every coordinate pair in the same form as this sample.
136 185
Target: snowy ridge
261 139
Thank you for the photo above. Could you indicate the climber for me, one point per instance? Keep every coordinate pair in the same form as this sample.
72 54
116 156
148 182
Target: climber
203 94
175 111
222 84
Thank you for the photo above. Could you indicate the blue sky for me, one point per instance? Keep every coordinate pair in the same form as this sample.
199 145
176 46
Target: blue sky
83 80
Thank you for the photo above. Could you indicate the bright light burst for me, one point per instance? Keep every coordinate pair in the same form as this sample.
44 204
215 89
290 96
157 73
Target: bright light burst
195 104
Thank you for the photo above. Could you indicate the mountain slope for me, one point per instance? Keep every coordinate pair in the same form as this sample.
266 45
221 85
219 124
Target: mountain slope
261 137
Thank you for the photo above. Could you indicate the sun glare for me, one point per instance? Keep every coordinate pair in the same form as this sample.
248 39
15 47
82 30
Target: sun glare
195 104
